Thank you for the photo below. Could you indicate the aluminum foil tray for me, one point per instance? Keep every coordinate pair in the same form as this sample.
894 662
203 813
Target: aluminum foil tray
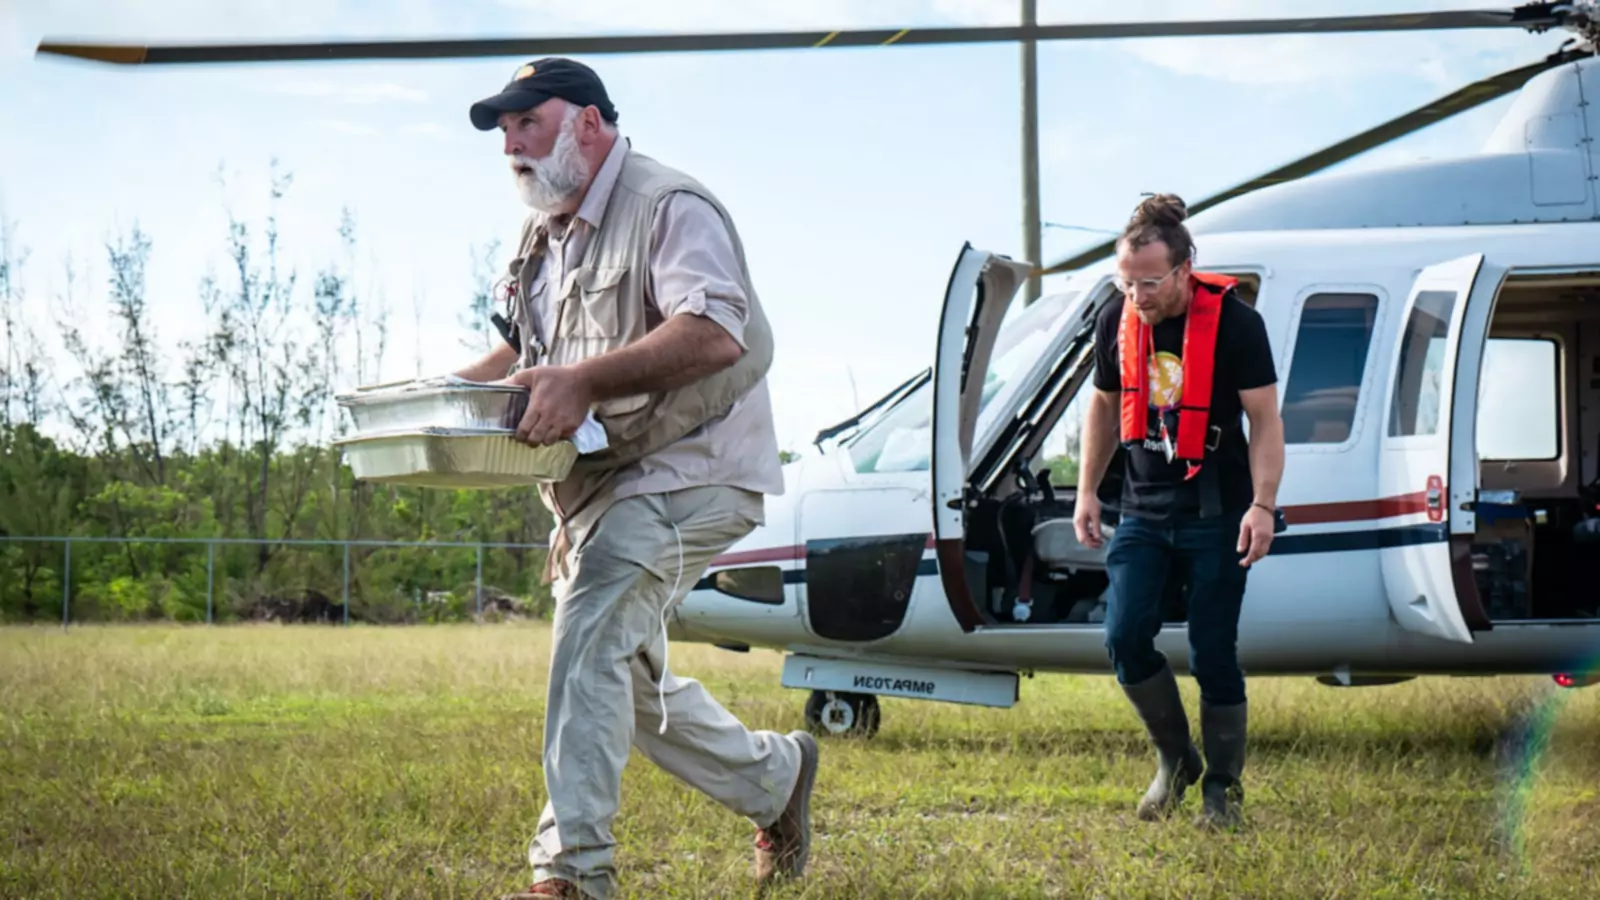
456 458
435 403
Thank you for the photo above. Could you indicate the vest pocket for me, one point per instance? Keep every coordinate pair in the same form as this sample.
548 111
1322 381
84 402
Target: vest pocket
596 324
597 312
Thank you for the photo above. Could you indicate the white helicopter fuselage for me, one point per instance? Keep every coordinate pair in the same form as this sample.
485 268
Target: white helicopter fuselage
1393 563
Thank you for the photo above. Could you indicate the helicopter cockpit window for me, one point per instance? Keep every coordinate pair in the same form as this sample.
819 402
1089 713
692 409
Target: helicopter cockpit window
901 440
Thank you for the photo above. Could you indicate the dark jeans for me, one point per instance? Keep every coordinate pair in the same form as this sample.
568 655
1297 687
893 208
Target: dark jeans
1203 553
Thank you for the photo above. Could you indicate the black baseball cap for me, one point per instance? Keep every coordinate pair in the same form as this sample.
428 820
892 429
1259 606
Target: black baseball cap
538 81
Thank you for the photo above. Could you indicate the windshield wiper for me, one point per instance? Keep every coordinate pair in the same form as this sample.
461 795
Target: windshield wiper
910 384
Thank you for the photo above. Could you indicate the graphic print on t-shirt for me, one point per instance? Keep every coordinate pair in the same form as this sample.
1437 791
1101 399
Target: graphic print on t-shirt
1166 380
1166 389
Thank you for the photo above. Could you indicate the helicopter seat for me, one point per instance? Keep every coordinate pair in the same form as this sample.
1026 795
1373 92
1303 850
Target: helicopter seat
1056 545
1587 531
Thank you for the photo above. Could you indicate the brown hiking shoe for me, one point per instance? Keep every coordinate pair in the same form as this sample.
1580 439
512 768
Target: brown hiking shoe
783 847
550 889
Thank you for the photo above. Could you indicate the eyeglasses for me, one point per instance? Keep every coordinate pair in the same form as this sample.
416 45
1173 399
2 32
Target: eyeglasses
1149 284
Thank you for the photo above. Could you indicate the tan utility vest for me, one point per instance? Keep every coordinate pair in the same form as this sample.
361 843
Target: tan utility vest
601 306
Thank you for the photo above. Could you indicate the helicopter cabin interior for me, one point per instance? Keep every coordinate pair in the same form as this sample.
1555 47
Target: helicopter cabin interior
1534 556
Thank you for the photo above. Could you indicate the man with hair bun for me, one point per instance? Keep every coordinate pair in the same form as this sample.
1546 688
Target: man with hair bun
1178 363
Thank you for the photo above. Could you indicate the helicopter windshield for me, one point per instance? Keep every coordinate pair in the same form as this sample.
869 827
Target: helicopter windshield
901 438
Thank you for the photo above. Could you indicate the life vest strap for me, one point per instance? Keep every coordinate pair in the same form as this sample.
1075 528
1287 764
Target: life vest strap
1209 478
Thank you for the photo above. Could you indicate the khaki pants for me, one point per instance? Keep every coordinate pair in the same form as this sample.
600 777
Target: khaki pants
606 684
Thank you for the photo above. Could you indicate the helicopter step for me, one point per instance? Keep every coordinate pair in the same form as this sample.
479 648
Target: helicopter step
850 679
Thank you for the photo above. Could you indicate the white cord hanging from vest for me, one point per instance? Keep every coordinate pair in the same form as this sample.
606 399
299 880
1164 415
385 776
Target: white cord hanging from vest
677 579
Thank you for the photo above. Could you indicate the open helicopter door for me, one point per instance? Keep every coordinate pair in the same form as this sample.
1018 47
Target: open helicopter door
1427 462
977 297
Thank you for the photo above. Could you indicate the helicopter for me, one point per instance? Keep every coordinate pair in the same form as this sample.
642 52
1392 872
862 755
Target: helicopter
926 553
1436 521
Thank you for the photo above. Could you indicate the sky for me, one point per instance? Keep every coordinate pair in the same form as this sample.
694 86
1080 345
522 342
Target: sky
855 175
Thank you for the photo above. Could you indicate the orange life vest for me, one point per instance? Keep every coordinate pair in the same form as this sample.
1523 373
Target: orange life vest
1199 365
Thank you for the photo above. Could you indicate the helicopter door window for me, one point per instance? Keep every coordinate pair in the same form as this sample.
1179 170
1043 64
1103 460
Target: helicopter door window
1061 450
1025 335
1325 376
1420 385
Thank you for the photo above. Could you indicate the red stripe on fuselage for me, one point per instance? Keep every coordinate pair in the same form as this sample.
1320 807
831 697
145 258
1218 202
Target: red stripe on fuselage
1356 510
1304 514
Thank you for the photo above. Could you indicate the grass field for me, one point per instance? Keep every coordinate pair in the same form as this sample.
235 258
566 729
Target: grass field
404 762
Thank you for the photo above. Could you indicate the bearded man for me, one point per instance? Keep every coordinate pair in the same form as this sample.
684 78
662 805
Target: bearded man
631 299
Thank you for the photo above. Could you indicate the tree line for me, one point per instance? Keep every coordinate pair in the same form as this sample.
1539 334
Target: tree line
227 435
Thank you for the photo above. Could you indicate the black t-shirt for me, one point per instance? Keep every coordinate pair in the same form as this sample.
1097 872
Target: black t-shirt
1152 487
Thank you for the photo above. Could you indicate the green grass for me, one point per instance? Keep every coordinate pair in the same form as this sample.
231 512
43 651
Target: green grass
365 762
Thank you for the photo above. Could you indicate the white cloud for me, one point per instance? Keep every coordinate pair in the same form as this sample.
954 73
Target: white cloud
717 15
1079 143
14 43
1445 63
356 92
152 21
1444 58
162 20
344 127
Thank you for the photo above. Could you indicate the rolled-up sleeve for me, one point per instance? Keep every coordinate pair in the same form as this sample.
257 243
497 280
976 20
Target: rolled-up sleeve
693 266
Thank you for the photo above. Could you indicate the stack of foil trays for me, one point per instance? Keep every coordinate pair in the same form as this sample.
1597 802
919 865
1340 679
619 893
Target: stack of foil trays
447 433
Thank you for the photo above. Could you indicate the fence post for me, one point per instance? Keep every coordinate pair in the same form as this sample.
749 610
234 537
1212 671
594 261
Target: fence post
211 568
66 584
480 584
347 583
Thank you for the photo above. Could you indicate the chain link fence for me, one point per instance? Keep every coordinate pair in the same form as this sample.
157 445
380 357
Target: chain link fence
212 545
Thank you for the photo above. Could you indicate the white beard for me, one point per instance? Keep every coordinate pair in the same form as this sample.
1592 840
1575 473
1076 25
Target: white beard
556 179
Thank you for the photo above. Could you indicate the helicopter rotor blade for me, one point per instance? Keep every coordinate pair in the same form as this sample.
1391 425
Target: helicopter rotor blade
1452 104
1533 17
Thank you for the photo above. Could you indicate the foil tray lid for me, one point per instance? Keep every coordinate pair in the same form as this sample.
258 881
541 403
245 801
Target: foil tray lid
393 391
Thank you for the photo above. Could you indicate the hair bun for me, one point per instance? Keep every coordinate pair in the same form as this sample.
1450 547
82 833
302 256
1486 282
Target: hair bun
1161 209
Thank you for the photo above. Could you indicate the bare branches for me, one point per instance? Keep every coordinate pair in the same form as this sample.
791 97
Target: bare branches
146 423
482 302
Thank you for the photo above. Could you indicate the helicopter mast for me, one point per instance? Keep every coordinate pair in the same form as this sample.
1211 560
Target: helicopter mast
1030 148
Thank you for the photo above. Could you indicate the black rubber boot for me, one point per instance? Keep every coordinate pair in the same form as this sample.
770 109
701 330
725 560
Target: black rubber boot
1179 764
1222 731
